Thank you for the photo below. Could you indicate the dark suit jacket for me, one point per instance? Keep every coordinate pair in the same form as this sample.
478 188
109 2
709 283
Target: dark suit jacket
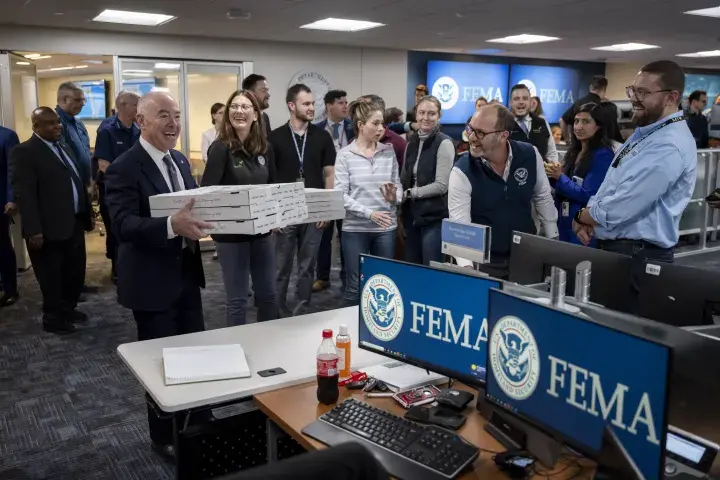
347 126
43 189
150 270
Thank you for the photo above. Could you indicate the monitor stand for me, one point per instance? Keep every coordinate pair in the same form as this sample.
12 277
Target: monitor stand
516 434
614 462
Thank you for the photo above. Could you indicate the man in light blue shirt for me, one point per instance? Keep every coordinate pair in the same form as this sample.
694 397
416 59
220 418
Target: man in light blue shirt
637 210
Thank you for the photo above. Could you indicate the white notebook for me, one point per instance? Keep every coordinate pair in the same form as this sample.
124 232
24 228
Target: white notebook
204 364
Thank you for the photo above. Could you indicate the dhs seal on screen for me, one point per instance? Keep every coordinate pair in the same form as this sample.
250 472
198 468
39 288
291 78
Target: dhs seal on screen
447 91
514 358
382 307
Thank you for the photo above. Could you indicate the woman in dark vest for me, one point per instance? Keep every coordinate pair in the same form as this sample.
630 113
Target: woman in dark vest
585 166
429 157
241 155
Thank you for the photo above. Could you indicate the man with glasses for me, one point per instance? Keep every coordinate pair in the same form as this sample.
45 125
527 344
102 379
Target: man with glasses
637 210
497 182
697 122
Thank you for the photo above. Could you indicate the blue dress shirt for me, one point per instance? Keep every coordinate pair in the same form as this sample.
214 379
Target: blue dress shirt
645 196
76 137
54 146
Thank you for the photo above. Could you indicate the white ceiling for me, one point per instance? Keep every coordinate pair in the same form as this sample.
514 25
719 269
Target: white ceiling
447 25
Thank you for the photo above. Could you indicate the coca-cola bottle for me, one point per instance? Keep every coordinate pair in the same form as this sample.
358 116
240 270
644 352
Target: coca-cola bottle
327 370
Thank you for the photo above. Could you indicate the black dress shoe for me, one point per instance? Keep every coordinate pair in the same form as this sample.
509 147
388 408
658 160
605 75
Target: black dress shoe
58 326
77 316
165 451
8 299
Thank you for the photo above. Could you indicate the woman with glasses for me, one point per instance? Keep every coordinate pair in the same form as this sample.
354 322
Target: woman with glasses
241 155
367 173
429 157
585 165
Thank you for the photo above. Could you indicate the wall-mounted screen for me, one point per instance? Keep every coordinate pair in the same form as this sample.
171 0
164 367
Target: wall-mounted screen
459 84
557 87
141 85
701 81
95 100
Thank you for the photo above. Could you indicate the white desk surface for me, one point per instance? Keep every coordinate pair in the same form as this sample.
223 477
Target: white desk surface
290 343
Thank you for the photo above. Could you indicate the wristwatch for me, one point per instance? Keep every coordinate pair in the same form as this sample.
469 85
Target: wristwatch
576 218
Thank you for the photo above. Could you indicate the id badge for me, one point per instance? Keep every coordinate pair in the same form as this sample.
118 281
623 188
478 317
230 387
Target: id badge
565 209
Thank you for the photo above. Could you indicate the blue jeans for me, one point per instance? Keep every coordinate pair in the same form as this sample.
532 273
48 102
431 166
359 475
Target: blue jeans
380 244
239 260
423 244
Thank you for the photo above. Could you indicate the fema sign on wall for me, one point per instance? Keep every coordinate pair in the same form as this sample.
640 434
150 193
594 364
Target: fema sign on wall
319 85
459 84
557 87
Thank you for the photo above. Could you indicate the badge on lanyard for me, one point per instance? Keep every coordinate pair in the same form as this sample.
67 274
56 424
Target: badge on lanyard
300 153
565 209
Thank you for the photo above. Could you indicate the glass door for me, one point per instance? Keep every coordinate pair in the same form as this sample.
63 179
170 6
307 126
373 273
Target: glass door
207 84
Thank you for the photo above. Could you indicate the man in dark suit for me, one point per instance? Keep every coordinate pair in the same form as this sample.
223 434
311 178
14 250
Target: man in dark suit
160 271
258 86
55 211
8 209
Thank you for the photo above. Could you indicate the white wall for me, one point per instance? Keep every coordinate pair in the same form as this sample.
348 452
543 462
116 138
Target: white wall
356 70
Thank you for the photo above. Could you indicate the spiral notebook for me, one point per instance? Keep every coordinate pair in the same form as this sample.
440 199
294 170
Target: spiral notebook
204 364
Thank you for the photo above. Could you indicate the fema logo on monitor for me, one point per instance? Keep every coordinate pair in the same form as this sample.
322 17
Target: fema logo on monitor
514 358
530 85
382 307
447 91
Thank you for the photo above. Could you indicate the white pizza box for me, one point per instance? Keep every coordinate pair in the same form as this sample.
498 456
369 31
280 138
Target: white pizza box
291 202
325 216
213 196
284 190
323 195
294 216
210 214
245 227
315 207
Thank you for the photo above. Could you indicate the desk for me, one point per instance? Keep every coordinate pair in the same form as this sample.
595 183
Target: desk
293 408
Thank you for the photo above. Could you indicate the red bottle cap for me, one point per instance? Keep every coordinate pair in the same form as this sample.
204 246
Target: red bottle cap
327 333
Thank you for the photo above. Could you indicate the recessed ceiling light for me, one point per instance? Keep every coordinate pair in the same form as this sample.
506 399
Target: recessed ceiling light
22 63
523 39
705 12
37 56
133 18
80 66
167 66
342 25
708 53
625 47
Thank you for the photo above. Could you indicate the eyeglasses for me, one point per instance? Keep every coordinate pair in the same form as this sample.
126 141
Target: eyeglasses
245 107
479 133
640 95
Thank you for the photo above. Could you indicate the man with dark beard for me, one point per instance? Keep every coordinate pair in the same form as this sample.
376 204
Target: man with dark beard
258 86
637 210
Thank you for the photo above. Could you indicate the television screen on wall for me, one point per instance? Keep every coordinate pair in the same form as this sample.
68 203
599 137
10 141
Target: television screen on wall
701 81
557 87
95 100
459 84
141 85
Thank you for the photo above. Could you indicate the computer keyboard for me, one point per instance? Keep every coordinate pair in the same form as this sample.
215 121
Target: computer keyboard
431 447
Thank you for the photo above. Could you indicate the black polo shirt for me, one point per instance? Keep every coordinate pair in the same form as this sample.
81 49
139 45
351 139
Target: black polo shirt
569 115
114 139
319 153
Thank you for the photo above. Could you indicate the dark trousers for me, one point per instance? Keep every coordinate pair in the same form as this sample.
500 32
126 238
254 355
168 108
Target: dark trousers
640 251
423 244
348 461
184 316
59 268
324 261
304 240
110 240
8 265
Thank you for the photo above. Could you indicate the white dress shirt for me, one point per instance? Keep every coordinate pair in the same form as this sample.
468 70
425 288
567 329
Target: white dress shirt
552 153
208 137
157 157
460 199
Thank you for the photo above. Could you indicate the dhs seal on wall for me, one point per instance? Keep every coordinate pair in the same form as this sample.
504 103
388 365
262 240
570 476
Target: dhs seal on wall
382 307
514 358
319 85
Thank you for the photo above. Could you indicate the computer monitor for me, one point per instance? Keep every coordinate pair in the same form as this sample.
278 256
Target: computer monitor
531 258
430 318
679 295
573 377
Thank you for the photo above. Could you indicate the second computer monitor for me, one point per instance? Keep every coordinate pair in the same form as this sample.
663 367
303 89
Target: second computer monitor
531 258
573 378
430 318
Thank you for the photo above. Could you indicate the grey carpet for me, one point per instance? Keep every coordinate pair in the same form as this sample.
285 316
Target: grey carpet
69 408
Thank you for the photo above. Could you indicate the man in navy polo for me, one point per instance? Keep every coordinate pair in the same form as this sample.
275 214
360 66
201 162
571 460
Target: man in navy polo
115 136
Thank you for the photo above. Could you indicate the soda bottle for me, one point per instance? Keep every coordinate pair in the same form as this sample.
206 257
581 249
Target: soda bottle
342 343
327 370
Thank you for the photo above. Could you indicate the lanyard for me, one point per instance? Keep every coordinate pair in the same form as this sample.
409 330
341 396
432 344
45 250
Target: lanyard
300 154
629 147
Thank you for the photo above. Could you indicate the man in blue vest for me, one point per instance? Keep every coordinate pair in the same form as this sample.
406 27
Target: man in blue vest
497 182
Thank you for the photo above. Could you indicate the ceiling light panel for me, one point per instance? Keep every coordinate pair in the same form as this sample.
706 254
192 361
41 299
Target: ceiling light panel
705 54
524 39
342 25
625 47
705 12
133 18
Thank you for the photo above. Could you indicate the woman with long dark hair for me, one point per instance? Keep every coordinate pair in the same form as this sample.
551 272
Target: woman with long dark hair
241 155
585 165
